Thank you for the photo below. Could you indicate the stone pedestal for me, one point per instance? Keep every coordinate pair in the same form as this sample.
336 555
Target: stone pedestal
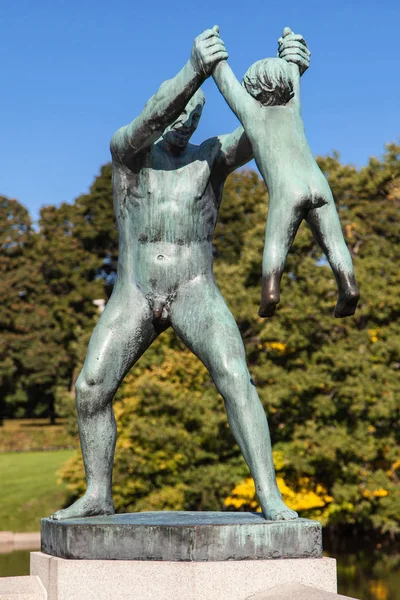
297 591
179 556
181 536
22 588
163 580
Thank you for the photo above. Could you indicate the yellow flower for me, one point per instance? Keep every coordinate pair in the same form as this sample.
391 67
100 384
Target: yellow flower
373 335
277 346
379 493
244 495
379 589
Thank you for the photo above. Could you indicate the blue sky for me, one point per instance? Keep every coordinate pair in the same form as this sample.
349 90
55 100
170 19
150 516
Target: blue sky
72 72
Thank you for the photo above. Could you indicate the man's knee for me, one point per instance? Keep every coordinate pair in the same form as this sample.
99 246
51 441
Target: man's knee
233 383
91 393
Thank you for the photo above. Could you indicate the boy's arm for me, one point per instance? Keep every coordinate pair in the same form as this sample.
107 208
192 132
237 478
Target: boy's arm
240 102
236 148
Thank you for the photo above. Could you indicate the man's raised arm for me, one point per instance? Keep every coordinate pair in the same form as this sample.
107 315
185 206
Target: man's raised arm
169 101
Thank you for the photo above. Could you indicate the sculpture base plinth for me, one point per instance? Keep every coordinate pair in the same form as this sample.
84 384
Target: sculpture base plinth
181 536
162 580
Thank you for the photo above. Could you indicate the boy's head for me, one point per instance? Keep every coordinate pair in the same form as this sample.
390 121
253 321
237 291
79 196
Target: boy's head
269 81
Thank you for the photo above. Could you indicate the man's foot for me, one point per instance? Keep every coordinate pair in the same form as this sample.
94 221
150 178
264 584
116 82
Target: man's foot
276 510
270 296
87 506
347 303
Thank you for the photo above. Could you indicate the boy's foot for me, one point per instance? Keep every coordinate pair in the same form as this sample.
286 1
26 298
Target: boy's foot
87 506
267 308
270 296
347 303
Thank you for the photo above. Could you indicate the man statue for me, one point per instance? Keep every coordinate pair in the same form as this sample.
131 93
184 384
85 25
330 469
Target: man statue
167 193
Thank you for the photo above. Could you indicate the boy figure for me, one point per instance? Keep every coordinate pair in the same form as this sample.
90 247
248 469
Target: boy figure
268 106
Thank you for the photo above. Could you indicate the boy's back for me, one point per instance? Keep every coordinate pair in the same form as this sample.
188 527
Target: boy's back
269 110
280 147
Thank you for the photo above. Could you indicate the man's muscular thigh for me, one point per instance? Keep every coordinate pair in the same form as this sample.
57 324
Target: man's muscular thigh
202 319
123 333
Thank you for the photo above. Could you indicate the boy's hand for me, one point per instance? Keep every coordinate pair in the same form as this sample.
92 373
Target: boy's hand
293 48
208 49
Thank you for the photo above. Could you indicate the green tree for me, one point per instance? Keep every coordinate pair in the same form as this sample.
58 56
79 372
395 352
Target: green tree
50 279
30 359
75 241
330 387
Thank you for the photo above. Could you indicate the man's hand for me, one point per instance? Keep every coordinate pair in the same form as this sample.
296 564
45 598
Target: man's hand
208 49
293 48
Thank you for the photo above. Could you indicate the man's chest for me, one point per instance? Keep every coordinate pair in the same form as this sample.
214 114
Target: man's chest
165 177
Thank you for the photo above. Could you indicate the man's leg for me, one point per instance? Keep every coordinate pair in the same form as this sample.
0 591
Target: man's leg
282 224
123 333
325 226
201 318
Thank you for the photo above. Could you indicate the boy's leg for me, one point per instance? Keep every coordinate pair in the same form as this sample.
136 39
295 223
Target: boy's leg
325 226
203 321
282 224
123 333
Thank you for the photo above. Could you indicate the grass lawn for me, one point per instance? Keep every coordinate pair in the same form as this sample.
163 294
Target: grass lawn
29 489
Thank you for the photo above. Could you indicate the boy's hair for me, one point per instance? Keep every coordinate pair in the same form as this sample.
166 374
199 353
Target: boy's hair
269 81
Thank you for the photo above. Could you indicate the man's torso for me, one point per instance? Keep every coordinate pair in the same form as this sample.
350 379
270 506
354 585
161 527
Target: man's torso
166 208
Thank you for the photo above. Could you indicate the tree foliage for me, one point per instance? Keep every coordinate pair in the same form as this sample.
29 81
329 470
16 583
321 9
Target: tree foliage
31 360
49 280
74 243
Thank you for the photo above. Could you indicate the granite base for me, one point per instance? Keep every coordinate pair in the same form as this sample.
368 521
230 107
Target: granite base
163 580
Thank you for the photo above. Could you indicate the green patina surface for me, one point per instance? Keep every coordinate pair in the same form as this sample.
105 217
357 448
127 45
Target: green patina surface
268 106
167 194
182 536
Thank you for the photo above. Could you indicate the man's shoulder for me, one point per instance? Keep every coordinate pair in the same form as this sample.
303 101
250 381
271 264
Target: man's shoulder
209 148
211 142
130 159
